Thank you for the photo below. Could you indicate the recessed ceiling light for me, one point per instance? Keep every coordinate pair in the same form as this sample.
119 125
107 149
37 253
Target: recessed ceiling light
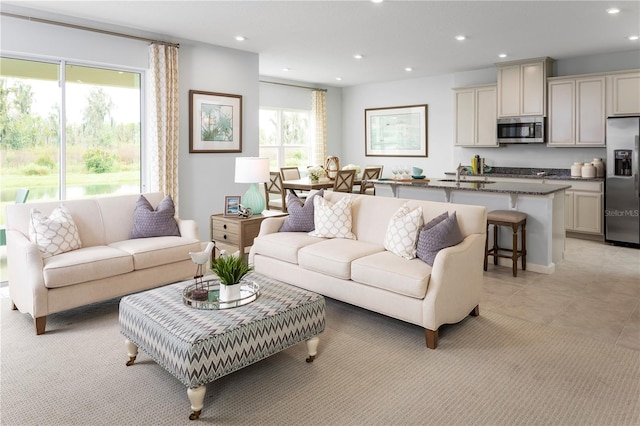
377 1
240 38
286 69
357 56
339 78
460 37
408 69
613 10
633 37
502 55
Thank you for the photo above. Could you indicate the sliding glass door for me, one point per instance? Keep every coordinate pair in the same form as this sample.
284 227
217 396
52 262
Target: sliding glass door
67 130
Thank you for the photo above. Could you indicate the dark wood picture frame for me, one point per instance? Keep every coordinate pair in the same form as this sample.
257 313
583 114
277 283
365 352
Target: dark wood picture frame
215 122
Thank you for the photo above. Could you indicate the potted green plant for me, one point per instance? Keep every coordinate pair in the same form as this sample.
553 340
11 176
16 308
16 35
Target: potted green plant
230 270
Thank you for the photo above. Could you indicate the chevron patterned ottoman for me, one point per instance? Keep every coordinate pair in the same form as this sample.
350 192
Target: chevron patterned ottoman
198 346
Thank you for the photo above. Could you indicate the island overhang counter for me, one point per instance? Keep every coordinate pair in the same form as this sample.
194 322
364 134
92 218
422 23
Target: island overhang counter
543 203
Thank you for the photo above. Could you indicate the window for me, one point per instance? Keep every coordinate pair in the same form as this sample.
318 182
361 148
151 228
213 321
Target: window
285 138
68 130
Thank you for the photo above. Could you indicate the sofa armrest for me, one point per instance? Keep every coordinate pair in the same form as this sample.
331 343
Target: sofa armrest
188 228
455 287
26 277
271 225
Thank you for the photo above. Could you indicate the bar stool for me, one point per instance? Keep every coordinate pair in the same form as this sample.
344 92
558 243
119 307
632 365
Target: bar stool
515 220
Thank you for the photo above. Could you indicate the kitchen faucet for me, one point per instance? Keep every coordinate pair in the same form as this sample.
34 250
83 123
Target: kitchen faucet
458 170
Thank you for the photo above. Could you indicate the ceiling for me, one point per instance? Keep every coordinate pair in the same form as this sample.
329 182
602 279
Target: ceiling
316 40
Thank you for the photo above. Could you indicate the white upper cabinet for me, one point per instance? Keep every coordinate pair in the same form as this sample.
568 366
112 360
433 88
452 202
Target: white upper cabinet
475 114
625 93
577 113
522 87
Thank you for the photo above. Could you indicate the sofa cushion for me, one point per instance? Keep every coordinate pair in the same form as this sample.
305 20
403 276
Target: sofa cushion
85 264
160 222
300 218
436 235
334 256
54 234
332 220
387 271
402 232
156 251
283 245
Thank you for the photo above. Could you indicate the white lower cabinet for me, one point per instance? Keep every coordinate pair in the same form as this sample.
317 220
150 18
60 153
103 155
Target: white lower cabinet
583 207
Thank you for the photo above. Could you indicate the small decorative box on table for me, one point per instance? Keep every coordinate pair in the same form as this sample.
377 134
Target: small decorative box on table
198 346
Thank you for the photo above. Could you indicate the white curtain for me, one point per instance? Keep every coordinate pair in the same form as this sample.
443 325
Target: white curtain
164 120
319 110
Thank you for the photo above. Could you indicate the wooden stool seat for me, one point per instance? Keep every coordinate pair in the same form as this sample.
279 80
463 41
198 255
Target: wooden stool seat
515 220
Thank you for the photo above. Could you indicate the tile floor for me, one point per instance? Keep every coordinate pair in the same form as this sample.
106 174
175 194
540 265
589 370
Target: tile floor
595 291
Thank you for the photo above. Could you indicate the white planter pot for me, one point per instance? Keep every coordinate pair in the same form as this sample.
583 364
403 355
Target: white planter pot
229 293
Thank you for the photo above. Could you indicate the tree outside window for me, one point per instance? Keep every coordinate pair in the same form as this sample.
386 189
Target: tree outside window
285 138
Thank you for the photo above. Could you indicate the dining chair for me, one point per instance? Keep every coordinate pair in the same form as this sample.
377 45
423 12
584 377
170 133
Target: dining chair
344 181
290 173
274 192
293 173
370 173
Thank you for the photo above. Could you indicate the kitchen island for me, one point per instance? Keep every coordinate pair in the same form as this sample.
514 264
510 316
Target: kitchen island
543 204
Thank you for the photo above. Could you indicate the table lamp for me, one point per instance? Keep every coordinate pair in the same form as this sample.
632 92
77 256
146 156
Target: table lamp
252 170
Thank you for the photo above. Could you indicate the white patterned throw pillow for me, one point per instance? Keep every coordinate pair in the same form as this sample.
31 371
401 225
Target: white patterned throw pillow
332 220
402 231
54 234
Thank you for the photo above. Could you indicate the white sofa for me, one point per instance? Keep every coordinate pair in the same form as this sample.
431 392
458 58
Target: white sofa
361 272
108 265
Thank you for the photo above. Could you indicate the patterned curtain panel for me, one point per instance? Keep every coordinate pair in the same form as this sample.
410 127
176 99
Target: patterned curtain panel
319 109
164 120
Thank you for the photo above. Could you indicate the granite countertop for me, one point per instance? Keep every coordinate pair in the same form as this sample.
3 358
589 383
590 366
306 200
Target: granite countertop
530 173
498 187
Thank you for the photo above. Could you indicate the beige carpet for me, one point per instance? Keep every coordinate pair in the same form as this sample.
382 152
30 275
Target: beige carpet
370 370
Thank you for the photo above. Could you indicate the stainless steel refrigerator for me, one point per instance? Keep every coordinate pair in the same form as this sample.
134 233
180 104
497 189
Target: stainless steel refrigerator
622 184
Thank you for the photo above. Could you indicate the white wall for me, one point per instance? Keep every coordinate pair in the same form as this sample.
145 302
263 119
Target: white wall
204 179
433 91
437 93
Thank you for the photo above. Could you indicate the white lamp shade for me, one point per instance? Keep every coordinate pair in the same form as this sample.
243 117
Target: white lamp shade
252 169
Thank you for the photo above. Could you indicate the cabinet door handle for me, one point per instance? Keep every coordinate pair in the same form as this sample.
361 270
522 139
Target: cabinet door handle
224 226
224 236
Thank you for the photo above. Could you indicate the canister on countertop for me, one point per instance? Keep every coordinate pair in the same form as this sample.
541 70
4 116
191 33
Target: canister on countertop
599 165
588 170
576 170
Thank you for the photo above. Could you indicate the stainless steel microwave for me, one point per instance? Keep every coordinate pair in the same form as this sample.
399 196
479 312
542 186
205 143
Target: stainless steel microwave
521 130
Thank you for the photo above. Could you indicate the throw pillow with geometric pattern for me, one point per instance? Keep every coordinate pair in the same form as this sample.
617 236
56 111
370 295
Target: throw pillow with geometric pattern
332 220
402 232
438 234
54 234
300 218
160 222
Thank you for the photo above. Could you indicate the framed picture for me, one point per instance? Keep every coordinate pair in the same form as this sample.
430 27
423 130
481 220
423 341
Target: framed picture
396 131
215 122
231 203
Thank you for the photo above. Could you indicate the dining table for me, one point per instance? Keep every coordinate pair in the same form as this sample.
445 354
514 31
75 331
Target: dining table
305 184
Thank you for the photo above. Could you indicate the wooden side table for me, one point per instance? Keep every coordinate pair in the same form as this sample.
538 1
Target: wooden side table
234 233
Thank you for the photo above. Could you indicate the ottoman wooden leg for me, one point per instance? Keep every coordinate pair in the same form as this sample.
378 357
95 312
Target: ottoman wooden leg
132 351
312 348
196 398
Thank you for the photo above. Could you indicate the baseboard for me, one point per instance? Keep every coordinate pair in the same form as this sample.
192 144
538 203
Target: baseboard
531 267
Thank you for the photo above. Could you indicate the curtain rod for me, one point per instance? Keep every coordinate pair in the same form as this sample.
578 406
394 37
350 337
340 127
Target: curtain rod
80 27
294 85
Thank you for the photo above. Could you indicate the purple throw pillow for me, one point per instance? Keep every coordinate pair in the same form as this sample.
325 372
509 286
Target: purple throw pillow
439 233
300 217
160 222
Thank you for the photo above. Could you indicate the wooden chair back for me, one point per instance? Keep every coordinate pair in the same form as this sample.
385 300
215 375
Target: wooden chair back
274 192
370 173
344 181
289 173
